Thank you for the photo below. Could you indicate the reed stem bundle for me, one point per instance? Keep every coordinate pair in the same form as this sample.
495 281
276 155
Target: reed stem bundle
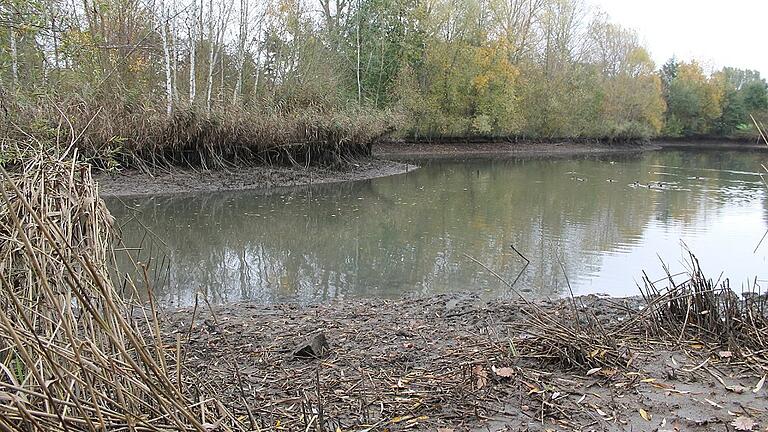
74 355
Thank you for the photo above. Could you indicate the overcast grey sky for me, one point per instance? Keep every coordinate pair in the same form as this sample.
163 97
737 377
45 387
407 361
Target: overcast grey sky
716 32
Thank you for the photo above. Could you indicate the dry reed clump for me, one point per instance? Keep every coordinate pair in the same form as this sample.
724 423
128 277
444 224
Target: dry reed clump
583 347
697 311
72 356
710 312
137 135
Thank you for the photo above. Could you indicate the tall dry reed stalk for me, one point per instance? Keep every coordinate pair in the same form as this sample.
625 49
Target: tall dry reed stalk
73 353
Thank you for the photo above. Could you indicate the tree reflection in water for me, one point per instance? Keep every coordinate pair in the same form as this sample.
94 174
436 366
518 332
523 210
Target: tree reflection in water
407 234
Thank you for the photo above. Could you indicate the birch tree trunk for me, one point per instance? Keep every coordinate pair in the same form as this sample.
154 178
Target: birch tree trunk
211 48
167 55
14 56
357 69
192 55
241 50
175 54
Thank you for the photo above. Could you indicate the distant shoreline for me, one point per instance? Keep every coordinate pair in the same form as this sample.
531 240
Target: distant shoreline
551 148
264 178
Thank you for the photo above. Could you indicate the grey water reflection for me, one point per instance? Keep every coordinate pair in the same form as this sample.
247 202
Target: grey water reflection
605 218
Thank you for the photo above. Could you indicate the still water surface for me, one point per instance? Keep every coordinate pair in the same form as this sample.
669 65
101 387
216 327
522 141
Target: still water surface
408 234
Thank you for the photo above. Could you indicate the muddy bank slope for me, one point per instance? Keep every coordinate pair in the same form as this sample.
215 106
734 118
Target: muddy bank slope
454 363
180 180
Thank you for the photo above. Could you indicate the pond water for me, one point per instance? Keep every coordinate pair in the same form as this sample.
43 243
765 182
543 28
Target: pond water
606 219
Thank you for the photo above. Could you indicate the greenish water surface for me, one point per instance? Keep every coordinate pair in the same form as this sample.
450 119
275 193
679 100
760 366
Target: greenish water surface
605 218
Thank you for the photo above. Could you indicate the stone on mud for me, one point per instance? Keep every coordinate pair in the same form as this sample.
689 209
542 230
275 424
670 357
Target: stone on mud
315 347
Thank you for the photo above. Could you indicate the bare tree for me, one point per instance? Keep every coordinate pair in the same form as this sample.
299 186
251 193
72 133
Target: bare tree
211 58
514 20
166 56
192 52
215 41
357 69
13 49
175 52
242 37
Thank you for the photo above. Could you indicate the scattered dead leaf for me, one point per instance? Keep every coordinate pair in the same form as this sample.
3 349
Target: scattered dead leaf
504 372
759 385
594 371
644 414
743 423
737 389
210 427
481 376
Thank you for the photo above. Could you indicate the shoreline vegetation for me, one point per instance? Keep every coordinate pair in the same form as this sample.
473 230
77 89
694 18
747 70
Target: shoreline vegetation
80 352
387 158
210 85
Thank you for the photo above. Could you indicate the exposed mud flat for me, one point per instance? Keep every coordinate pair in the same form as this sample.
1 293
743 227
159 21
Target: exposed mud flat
549 149
527 149
264 178
177 180
453 362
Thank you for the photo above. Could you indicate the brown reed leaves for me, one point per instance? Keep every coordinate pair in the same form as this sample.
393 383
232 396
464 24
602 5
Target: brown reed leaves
72 354
710 312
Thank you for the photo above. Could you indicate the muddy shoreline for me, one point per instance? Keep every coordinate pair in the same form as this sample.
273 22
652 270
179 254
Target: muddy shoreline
455 363
418 150
555 149
176 181
383 163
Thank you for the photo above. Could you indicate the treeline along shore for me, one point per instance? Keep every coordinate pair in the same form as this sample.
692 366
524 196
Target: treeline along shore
239 82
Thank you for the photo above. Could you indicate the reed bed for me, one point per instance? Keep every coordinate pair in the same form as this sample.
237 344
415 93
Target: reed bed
709 311
73 354
121 134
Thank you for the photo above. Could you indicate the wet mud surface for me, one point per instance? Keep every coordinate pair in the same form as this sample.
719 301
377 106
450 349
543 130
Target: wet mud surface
135 183
454 363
